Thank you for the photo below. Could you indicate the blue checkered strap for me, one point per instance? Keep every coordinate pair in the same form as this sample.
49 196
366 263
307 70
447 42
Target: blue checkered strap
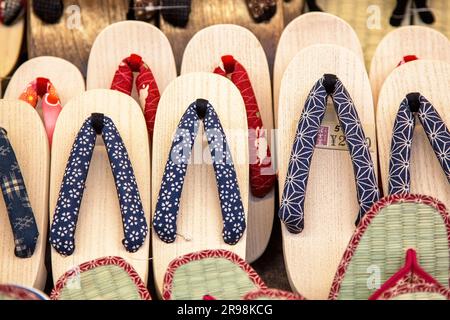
168 203
436 130
20 213
62 231
293 198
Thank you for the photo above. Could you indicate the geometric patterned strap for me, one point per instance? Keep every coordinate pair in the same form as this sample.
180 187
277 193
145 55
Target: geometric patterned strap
62 231
293 197
402 138
21 217
51 105
146 86
262 176
168 203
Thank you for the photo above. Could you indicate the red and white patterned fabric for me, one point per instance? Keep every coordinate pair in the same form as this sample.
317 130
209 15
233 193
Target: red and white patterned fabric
365 223
407 58
146 86
15 292
410 279
51 105
272 294
219 253
262 177
105 261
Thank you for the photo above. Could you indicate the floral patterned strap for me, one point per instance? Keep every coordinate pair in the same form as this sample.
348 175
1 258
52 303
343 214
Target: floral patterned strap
262 176
65 218
402 138
168 203
51 105
20 213
145 84
293 197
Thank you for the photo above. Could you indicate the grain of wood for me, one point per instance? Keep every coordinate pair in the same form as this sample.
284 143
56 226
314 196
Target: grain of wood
331 204
67 39
245 48
99 230
29 141
310 29
430 78
199 222
111 47
11 42
423 42
207 13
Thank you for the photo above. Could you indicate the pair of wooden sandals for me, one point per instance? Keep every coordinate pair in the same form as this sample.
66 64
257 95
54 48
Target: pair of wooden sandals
99 222
319 202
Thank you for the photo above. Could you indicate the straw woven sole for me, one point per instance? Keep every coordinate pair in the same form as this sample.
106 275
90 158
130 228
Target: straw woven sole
108 278
218 273
377 248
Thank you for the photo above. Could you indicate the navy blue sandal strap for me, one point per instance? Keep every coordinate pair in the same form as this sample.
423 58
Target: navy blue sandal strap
168 203
20 213
293 197
437 132
62 231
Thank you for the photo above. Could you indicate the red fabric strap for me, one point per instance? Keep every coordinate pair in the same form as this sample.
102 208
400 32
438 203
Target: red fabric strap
407 58
410 269
145 84
262 177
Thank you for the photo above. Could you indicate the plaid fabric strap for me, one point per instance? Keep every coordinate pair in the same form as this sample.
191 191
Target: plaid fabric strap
21 217
402 138
145 84
168 203
262 176
293 197
62 231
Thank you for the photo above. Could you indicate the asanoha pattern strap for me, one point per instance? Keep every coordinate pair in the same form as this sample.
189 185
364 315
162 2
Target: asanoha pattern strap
146 86
21 217
168 203
51 105
402 138
62 231
293 197
262 176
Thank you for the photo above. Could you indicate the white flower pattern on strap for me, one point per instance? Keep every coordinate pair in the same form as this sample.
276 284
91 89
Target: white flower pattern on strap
67 209
167 206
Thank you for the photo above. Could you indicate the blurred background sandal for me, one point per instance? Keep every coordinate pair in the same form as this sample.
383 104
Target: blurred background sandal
272 294
108 278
